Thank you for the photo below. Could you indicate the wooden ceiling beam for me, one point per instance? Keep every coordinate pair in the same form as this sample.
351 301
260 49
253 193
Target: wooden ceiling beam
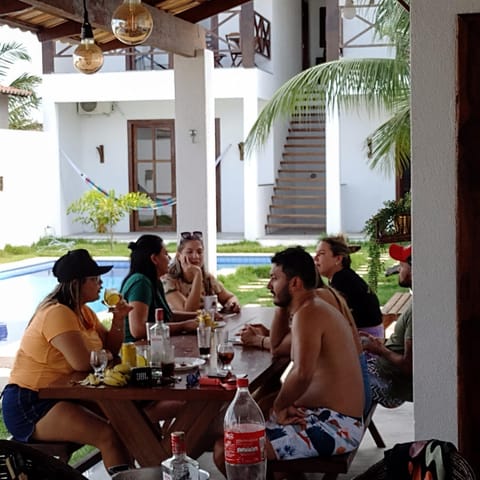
11 6
60 31
208 9
169 33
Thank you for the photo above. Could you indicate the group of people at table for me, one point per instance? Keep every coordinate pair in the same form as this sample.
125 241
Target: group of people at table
316 410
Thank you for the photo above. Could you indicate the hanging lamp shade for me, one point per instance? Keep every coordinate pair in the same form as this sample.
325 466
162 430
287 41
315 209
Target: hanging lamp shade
349 10
132 23
88 56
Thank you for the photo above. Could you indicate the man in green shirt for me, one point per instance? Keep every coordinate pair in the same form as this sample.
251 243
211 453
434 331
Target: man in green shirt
391 366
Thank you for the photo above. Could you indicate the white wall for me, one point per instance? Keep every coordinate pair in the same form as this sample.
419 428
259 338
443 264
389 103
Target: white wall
363 190
434 67
29 200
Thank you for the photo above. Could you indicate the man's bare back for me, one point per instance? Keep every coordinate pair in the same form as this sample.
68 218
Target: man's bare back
325 355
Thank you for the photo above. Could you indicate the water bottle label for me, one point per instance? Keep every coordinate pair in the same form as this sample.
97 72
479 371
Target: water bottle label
244 447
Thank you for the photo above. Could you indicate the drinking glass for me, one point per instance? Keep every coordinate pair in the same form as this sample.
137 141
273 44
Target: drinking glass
98 361
225 354
204 339
168 361
111 296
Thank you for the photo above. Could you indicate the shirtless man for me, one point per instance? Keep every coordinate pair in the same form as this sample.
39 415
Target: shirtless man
320 404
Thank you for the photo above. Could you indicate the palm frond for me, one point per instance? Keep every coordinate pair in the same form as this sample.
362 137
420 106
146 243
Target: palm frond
347 83
390 143
10 53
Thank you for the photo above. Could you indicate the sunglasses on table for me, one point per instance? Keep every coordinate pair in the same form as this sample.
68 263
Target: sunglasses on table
196 235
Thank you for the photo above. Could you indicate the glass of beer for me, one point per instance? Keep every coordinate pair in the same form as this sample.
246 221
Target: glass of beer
111 296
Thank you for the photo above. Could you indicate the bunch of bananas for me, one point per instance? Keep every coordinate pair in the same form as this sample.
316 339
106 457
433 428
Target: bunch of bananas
118 376
91 380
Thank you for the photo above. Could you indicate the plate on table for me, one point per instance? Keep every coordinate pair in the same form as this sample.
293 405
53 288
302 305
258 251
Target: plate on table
187 363
219 324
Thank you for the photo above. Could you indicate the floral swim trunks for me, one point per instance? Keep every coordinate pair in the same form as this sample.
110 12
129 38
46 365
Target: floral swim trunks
326 433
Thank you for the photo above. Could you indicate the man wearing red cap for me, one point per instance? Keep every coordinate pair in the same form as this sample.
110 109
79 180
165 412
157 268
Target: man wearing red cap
390 368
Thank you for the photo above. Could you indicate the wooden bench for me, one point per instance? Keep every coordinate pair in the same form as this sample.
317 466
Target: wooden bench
64 450
394 307
331 466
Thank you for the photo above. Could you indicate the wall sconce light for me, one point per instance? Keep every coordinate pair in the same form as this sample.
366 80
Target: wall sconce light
349 10
193 134
132 22
88 56
101 153
241 150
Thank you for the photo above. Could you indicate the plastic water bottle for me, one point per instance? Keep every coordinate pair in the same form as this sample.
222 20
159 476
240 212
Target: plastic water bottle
244 437
159 335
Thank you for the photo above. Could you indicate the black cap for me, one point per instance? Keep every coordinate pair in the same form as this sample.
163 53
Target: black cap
77 264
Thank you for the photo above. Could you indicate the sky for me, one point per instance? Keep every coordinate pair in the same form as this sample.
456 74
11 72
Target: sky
33 46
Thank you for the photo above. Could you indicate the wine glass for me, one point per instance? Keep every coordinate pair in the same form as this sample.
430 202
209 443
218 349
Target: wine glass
111 296
225 354
98 361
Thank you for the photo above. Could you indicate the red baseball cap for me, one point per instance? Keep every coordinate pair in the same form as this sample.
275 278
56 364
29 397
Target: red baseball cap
401 253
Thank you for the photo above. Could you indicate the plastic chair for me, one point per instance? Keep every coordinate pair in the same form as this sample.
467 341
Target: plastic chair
16 458
458 469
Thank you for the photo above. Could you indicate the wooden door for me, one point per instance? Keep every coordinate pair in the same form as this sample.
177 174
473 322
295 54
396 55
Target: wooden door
152 171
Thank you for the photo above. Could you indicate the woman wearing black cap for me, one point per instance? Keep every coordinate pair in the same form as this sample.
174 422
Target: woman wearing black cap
332 259
57 341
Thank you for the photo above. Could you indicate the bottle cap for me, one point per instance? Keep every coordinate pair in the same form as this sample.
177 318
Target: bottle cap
242 382
159 314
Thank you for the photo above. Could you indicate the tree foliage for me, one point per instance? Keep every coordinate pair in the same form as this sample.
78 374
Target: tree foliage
377 83
20 109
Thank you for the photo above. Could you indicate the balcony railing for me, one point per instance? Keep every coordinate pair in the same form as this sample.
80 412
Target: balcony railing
240 37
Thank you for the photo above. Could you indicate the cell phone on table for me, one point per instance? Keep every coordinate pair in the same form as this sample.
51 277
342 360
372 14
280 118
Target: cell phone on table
218 374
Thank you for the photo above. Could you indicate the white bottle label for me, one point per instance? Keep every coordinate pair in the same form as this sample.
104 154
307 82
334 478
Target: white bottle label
245 444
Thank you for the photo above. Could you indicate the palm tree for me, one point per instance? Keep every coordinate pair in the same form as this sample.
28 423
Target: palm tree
348 83
19 108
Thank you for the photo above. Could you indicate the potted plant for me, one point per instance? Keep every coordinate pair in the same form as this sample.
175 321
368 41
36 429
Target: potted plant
391 223
103 212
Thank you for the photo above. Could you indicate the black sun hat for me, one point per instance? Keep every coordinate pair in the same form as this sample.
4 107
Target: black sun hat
77 264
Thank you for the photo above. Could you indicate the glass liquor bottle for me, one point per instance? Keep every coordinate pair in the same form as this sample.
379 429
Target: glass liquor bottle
179 466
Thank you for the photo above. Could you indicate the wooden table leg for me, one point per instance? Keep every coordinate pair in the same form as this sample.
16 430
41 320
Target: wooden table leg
136 432
196 419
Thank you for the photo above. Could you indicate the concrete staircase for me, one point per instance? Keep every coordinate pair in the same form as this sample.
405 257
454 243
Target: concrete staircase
298 201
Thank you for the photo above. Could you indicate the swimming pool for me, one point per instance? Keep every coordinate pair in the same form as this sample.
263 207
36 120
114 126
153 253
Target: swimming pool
22 288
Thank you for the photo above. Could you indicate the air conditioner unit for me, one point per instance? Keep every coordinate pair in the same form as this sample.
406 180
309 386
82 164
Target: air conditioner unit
94 108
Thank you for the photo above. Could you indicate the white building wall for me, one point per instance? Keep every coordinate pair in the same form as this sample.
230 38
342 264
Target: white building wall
29 199
434 69
363 190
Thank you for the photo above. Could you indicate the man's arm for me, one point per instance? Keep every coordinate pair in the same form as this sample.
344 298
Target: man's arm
403 362
306 346
280 341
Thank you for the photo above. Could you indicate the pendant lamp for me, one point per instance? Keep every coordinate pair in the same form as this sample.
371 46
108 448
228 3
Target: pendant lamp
132 23
349 10
88 56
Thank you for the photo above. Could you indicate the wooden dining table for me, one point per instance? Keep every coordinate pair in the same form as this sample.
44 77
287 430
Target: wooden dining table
124 406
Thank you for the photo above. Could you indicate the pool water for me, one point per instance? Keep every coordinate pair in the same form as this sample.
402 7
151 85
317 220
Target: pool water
22 289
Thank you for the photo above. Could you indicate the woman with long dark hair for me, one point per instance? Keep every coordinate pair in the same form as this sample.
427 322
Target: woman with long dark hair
143 290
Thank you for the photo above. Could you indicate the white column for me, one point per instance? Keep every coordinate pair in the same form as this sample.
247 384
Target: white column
332 167
195 155
252 228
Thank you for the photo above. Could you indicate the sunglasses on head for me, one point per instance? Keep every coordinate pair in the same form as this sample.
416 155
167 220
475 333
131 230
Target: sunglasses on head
191 235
